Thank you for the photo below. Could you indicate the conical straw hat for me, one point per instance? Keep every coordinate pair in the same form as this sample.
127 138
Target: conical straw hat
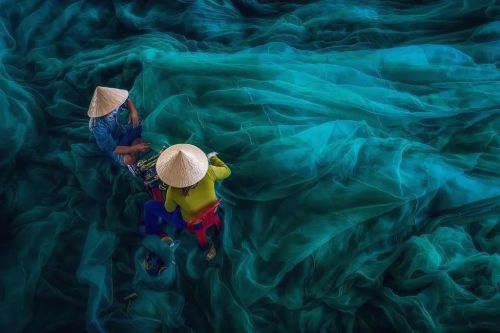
106 100
182 165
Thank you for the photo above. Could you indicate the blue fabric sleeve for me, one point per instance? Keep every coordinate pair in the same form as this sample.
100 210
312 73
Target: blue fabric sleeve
104 139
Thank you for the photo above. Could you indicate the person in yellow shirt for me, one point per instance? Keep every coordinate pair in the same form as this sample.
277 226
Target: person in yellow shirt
191 176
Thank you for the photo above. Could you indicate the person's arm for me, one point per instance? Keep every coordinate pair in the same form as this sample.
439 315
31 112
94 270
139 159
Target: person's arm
134 115
104 139
129 149
139 147
106 142
170 204
219 169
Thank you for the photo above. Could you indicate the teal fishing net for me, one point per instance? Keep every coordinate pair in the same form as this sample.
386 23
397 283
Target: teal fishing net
364 148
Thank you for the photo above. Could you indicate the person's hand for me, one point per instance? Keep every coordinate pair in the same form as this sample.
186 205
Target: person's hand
142 147
134 119
212 154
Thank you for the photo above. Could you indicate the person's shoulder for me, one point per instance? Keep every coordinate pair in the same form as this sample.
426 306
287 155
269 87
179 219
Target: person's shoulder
173 192
211 172
96 123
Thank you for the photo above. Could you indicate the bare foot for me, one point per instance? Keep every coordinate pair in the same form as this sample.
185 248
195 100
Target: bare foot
211 253
167 239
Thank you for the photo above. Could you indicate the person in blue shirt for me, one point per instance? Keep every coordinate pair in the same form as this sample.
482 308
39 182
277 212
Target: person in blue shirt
116 126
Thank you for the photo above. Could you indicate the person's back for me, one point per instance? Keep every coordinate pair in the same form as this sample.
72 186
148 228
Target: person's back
191 179
195 199
108 111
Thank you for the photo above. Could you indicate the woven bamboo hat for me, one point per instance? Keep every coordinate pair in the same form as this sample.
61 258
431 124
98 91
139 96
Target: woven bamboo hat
182 165
106 100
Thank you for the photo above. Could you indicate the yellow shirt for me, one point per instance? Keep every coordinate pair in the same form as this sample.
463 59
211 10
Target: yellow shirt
200 197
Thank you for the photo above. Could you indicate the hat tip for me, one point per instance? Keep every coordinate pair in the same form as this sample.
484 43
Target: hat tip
180 156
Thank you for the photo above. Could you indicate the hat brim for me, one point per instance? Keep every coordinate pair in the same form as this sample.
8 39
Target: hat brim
182 171
101 106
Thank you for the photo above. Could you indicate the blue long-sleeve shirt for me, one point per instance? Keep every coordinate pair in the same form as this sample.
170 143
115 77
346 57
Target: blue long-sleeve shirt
114 130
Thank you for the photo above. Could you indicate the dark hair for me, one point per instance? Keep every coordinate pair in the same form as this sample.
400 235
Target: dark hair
185 190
